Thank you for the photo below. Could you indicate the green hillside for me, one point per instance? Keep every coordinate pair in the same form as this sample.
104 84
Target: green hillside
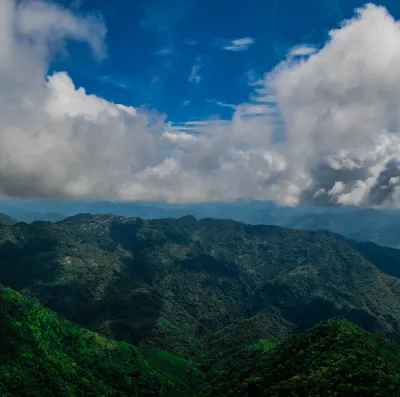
170 284
42 354
335 358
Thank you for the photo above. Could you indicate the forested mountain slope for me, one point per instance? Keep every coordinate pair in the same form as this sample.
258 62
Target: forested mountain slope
172 283
335 358
42 354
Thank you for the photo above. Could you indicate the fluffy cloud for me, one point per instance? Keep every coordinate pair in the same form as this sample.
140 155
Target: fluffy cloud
55 140
319 129
338 106
338 113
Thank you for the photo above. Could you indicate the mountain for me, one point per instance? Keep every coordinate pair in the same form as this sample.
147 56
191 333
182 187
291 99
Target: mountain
335 358
171 284
375 225
7 220
195 308
364 224
42 354
386 259
380 227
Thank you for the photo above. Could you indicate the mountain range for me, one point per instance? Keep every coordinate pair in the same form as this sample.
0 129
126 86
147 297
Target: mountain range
171 283
364 224
204 295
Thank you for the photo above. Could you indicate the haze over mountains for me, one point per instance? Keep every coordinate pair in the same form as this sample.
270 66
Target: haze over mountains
376 225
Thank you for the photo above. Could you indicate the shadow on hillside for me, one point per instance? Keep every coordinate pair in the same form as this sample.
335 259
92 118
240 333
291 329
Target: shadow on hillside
319 309
130 310
137 267
129 314
21 266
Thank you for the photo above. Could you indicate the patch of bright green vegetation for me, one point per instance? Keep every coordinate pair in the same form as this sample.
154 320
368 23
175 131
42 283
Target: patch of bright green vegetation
335 358
44 355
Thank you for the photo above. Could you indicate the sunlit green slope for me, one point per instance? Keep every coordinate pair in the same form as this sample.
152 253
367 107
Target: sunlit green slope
42 355
335 358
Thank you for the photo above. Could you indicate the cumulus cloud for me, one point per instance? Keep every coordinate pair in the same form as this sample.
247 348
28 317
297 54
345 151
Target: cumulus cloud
336 112
337 107
57 141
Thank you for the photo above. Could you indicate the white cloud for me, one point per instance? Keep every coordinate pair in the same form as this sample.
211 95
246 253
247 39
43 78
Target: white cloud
241 44
64 100
338 188
196 123
255 109
302 50
224 105
48 23
55 140
338 111
336 106
195 76
178 136
203 127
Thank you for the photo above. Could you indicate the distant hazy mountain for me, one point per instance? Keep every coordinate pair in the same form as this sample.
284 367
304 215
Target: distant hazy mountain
379 226
7 220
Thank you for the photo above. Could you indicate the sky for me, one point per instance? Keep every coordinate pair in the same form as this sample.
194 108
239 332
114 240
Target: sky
188 59
296 102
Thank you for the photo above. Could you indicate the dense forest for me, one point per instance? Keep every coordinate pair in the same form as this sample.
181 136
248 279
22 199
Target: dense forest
43 354
194 308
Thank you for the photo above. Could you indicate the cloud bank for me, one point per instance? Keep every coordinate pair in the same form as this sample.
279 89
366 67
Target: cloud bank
322 128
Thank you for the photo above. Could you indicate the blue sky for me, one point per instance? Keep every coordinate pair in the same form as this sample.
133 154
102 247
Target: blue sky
154 45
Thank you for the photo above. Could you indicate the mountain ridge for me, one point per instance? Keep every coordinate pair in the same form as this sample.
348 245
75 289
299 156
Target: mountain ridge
169 284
